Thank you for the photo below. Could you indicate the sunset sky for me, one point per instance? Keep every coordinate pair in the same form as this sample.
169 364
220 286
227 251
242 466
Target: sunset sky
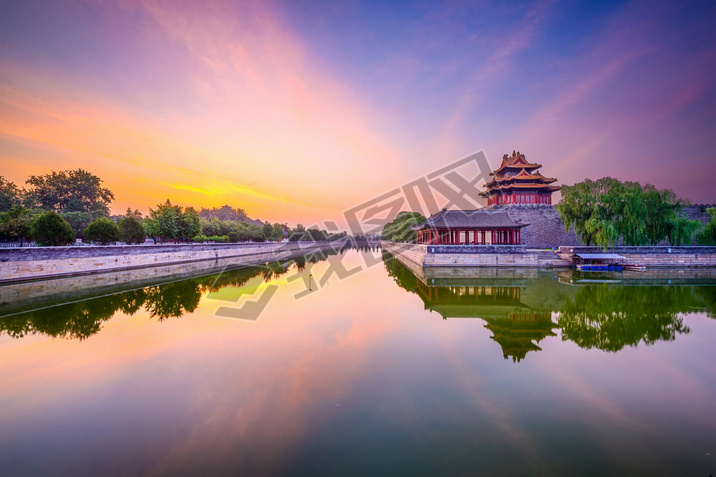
296 111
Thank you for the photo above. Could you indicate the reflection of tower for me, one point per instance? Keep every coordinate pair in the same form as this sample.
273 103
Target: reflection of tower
519 334
514 326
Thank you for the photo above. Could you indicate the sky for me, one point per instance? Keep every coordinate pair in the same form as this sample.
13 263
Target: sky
296 111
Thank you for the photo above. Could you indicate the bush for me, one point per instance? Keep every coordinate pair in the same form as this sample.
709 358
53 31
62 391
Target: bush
200 238
51 229
131 230
102 231
233 237
219 238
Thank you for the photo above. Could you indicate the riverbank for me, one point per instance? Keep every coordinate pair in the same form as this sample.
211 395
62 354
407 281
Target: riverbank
659 256
426 256
23 264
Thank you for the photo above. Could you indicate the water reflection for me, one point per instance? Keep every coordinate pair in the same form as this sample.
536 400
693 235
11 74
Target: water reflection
83 319
518 306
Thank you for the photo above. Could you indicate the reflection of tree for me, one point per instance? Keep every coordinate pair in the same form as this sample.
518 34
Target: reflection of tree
173 299
300 263
707 297
602 316
612 317
75 320
400 273
83 319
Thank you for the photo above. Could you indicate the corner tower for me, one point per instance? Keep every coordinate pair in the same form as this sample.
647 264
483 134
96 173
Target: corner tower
517 181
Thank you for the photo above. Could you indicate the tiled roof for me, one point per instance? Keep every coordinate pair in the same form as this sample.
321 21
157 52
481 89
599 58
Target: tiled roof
479 218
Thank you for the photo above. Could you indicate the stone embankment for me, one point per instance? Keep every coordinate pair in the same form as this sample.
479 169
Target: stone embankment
659 256
20 264
425 256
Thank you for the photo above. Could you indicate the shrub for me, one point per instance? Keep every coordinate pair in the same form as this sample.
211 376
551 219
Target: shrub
233 237
219 238
200 238
103 231
131 230
51 229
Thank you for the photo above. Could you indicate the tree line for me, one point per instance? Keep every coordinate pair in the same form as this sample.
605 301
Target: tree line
59 207
607 211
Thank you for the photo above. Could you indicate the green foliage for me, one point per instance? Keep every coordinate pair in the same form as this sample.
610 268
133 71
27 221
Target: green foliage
233 237
316 234
606 211
173 222
225 213
276 233
213 238
51 229
69 191
131 230
401 228
168 218
297 234
9 195
151 228
708 234
189 224
80 220
16 223
136 214
102 231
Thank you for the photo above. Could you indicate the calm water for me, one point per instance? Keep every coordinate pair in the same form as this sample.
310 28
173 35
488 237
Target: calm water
514 372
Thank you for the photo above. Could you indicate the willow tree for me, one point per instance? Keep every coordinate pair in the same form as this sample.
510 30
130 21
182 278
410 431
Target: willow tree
400 229
607 211
589 207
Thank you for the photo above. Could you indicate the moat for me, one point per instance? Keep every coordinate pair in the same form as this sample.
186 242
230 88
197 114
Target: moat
367 370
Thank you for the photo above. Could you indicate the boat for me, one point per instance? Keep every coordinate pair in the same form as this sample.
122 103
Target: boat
634 267
599 267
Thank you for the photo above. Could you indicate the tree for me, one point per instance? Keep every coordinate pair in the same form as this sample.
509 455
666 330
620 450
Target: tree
297 234
276 233
224 213
168 218
400 229
136 214
102 231
9 195
69 191
79 221
189 224
51 229
606 211
16 223
151 228
708 234
131 230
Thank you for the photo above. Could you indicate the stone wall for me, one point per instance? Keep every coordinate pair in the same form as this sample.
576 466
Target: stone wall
48 262
545 229
659 256
22 295
472 256
698 212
